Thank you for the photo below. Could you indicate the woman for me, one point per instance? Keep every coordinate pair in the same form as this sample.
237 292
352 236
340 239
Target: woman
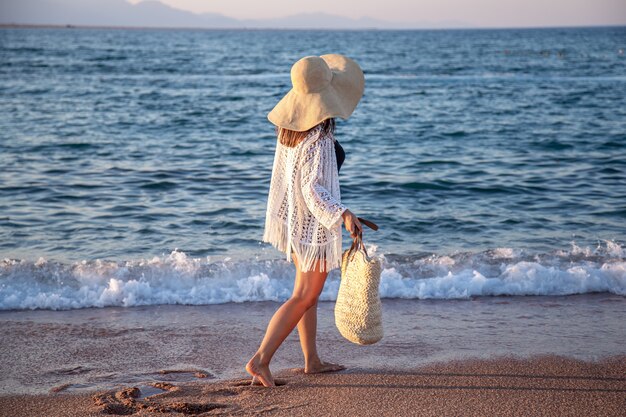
304 209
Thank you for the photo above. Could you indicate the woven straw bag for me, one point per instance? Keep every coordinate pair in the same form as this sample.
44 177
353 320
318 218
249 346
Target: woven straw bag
358 313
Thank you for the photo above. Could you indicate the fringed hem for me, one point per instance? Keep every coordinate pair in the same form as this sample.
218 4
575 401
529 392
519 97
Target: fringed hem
330 253
276 233
308 255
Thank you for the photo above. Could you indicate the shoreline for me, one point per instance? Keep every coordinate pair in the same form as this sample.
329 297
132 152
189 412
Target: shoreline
87 349
541 385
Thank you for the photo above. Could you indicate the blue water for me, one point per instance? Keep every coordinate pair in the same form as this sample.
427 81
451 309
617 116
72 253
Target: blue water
141 155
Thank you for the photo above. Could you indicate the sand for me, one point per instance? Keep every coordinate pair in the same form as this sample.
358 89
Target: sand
540 386
485 356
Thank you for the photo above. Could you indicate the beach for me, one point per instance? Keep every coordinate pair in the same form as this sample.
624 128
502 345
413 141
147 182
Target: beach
134 175
482 356
547 386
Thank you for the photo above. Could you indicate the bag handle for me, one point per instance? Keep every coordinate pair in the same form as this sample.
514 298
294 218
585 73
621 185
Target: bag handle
368 223
357 242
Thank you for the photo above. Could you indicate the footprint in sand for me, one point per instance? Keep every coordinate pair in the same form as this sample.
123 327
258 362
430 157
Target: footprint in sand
248 382
225 392
131 400
181 375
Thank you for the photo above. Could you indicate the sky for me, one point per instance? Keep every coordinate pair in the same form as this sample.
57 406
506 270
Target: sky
481 13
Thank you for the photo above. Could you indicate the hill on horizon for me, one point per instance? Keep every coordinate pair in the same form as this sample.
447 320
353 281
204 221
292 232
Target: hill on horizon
153 13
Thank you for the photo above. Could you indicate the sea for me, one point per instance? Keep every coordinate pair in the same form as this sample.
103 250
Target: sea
135 163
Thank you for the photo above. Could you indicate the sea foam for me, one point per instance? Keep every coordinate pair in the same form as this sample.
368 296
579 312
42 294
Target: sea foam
180 279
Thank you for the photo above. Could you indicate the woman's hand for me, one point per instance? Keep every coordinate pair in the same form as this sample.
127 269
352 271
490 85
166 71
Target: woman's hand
352 224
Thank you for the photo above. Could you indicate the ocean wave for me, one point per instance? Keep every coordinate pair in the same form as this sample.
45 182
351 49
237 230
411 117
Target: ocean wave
179 279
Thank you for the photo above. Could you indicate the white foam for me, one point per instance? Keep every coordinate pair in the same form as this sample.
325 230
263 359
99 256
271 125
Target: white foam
180 279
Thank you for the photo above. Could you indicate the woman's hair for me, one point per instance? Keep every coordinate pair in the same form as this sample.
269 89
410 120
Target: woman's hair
291 138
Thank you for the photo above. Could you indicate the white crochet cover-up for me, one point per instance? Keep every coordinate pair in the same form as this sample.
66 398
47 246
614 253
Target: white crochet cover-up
304 204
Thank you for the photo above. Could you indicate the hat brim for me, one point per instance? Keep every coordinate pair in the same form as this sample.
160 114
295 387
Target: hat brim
302 111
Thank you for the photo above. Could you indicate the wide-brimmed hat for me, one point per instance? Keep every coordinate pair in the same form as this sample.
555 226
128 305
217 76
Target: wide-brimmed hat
323 87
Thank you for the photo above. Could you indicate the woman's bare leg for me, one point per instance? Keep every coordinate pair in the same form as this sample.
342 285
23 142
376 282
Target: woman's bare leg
307 289
307 331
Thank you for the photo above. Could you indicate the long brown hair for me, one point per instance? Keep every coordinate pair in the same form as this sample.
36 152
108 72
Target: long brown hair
291 138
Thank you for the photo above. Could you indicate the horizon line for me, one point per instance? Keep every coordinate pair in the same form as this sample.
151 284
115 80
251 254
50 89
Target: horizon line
116 27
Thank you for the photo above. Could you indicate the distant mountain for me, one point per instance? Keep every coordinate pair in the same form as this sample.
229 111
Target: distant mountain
156 14
330 21
318 21
106 13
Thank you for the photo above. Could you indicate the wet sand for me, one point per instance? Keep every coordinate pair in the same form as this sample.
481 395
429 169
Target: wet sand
541 386
485 356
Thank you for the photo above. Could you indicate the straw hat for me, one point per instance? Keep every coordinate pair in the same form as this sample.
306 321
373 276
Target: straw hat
323 87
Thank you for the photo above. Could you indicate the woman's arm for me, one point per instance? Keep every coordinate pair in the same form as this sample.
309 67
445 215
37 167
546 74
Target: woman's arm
326 208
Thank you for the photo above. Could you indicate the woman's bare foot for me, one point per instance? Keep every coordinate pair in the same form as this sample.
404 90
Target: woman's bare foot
277 381
319 367
262 372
